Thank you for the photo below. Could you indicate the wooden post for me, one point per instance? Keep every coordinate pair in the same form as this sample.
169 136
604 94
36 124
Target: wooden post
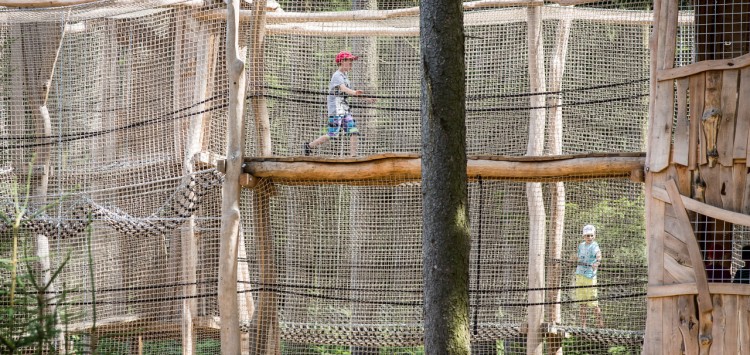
256 90
191 84
367 49
534 196
230 204
557 220
264 335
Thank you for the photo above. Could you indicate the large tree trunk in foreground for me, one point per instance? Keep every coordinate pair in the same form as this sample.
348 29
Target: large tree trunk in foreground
445 240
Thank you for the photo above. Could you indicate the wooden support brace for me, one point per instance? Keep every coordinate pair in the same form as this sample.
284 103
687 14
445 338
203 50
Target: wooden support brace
705 305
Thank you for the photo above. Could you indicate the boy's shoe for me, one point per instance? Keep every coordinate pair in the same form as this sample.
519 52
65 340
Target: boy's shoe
306 148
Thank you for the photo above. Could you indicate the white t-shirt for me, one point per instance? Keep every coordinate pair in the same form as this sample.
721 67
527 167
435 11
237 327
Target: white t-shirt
337 99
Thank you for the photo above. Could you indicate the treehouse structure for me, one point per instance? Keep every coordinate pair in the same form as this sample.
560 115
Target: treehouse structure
162 144
696 182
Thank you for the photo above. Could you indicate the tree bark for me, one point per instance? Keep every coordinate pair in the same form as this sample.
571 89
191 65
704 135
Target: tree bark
445 240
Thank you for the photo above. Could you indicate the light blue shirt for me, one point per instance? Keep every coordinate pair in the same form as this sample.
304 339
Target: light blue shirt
586 257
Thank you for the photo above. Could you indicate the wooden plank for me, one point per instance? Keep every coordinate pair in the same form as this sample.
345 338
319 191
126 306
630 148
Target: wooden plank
687 324
653 342
697 92
702 67
660 140
683 178
656 291
712 177
745 209
725 143
731 324
682 130
670 324
679 273
712 102
742 127
661 129
704 209
655 218
677 249
744 325
704 298
739 173
719 327
726 187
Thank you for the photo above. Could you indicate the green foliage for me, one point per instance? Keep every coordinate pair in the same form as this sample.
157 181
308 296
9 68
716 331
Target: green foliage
29 317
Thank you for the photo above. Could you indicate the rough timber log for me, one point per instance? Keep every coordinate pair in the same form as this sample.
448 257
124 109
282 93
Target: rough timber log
408 167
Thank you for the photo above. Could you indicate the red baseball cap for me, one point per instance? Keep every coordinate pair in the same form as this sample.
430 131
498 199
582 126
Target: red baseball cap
345 55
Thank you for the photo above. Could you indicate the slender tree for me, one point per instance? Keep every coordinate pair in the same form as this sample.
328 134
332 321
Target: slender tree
445 240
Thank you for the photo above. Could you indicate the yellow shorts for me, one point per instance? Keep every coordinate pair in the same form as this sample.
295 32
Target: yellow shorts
586 293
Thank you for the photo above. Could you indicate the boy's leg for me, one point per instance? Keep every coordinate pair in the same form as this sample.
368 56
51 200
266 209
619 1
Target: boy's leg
582 314
598 313
353 145
319 141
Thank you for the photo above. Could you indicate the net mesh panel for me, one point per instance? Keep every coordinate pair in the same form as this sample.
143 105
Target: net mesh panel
604 87
135 86
122 96
349 270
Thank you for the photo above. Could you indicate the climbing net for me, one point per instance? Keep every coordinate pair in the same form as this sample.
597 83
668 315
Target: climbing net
113 115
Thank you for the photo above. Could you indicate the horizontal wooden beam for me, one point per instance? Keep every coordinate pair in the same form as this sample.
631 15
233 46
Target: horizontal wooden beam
350 23
409 167
702 208
366 15
657 291
704 66
42 3
61 3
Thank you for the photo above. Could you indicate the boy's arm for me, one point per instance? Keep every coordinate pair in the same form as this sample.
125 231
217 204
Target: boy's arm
598 259
349 91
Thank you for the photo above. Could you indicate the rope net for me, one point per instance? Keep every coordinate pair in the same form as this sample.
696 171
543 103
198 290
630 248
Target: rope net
347 267
113 117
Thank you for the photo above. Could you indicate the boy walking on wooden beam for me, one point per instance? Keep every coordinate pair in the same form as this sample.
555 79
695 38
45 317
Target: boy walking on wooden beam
339 113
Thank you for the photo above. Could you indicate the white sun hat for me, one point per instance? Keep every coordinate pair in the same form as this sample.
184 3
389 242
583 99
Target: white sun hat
589 229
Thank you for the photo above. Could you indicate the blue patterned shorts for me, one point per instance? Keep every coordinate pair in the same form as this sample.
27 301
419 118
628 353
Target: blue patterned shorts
339 123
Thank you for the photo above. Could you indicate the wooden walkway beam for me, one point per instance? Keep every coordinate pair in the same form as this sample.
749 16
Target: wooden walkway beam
408 167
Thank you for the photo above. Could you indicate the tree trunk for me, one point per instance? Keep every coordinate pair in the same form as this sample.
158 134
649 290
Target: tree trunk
445 240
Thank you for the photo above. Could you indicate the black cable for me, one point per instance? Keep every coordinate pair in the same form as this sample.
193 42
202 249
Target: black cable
491 109
77 134
346 299
479 248
473 97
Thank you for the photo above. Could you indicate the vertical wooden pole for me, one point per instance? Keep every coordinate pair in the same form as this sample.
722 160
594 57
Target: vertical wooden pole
192 84
367 49
230 204
264 335
256 89
537 214
557 220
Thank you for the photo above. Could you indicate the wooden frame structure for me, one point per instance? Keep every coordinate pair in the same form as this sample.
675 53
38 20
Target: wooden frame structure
532 168
700 170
